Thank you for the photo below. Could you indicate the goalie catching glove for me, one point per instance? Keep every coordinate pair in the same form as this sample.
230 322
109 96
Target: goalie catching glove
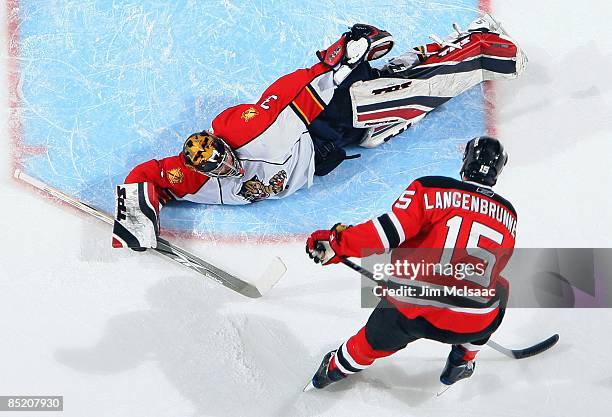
362 42
321 246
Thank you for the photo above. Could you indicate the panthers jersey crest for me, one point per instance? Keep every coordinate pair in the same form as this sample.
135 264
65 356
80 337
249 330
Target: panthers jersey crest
255 190
175 176
249 113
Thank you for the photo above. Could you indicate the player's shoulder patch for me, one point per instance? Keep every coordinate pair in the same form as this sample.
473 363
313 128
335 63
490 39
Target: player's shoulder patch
180 179
249 113
175 175
486 191
240 124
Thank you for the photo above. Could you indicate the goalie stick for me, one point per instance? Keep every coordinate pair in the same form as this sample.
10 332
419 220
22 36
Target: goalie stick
270 277
511 353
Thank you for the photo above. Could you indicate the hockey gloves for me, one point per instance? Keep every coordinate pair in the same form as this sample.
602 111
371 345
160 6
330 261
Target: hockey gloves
362 42
379 41
321 245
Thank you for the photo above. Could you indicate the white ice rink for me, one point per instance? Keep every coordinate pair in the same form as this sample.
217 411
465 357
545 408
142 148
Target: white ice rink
121 334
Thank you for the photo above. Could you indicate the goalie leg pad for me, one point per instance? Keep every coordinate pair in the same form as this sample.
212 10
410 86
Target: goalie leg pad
136 224
408 95
376 136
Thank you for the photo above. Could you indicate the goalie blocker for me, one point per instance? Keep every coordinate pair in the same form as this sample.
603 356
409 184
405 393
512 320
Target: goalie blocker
136 223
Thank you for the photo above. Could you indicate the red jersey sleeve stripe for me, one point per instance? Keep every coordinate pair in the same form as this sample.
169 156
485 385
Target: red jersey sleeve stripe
382 234
308 105
316 98
389 225
398 227
299 113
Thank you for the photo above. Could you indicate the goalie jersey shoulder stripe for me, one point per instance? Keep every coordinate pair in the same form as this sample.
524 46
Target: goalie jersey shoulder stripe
244 123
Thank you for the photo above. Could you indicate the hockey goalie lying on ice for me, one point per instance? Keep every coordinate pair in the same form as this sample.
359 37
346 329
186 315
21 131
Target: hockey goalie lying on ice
303 122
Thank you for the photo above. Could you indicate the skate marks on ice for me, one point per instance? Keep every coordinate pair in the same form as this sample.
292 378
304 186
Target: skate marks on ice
408 385
221 356
228 360
223 363
106 85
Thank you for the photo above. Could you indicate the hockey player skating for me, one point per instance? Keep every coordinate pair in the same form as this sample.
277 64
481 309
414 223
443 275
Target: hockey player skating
465 220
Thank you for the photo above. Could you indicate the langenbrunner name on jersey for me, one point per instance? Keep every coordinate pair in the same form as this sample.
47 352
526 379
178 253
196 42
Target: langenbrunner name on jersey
456 199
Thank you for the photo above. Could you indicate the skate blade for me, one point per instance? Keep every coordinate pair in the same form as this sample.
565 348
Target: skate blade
308 387
443 388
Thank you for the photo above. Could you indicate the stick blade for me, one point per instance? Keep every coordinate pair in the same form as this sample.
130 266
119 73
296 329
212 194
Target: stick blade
537 348
528 351
273 273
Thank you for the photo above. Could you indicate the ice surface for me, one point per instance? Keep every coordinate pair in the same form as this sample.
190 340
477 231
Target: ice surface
121 334
106 85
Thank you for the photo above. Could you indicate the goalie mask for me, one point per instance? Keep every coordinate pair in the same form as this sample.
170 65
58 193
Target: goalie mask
211 156
483 160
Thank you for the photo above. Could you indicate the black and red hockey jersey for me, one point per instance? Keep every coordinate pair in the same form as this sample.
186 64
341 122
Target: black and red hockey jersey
444 221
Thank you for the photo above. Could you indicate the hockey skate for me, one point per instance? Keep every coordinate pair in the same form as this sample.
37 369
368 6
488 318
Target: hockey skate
324 377
459 365
454 372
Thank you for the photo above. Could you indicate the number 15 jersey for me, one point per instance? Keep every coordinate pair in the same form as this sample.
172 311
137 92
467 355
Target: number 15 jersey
443 221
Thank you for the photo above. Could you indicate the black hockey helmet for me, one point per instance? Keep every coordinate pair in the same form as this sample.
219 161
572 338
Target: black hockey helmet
483 160
210 155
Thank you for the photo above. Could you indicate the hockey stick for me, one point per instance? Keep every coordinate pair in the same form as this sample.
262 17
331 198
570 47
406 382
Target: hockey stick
525 352
511 353
270 277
